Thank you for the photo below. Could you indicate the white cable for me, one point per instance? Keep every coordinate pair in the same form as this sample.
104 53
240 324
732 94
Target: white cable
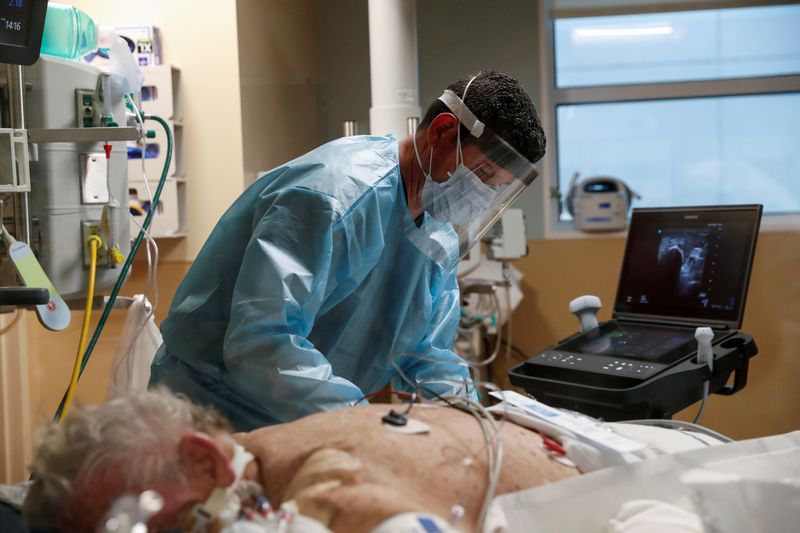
491 462
705 355
494 309
494 452
8 327
139 119
150 242
154 303
702 404
152 266
493 439
681 425
509 336
7 237
498 337
154 208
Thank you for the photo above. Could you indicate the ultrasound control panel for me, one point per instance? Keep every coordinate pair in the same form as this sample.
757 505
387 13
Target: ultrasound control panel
600 364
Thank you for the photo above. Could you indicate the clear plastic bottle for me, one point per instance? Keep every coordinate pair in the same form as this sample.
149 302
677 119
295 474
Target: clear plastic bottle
68 32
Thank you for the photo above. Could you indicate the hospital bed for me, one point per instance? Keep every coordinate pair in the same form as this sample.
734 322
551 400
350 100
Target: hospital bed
747 486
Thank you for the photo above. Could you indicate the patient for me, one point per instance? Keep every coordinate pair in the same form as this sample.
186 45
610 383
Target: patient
344 468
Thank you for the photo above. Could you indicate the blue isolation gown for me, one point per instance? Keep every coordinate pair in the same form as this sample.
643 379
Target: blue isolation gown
309 287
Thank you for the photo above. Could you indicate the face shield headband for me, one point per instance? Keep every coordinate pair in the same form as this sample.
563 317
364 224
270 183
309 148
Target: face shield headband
489 175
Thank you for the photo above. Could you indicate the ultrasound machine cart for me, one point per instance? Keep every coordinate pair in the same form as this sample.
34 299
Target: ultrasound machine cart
683 268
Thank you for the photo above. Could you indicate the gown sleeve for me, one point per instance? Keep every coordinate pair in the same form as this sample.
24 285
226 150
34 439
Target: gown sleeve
439 371
279 291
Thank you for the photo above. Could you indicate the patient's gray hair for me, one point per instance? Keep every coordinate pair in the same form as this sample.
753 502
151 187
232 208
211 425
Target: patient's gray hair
120 446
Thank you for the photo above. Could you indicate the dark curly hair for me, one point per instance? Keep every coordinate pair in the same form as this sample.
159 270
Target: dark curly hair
500 102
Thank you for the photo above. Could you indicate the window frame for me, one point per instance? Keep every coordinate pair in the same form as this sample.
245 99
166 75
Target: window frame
551 97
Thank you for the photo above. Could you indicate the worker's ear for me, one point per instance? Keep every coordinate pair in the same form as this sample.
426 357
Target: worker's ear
205 460
443 128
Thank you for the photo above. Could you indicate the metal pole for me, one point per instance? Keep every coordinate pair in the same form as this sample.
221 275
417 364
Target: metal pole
411 125
16 104
349 128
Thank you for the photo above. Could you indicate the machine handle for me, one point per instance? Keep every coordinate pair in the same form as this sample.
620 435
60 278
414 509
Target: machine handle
739 381
24 296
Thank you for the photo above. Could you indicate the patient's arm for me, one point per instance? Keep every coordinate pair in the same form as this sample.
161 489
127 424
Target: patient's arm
348 470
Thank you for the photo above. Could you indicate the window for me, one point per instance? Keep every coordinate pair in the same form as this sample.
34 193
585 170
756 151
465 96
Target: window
693 45
688 107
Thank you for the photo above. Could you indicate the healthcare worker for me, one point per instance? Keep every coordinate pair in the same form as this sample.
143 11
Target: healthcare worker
335 274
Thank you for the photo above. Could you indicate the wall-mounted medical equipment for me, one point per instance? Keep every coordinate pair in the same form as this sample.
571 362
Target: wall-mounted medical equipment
599 204
683 269
58 169
79 181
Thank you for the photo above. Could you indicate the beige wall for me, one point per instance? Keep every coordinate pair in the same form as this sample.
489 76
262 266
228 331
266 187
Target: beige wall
280 87
558 270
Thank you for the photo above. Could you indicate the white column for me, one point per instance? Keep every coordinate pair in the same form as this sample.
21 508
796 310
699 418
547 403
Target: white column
394 74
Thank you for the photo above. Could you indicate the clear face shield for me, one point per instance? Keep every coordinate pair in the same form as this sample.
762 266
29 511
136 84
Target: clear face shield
489 175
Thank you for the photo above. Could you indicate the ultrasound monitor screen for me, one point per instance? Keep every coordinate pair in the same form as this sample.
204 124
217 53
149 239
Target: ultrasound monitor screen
689 264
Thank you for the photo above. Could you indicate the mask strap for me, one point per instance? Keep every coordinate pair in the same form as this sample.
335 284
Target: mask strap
464 115
459 153
460 110
419 159
458 137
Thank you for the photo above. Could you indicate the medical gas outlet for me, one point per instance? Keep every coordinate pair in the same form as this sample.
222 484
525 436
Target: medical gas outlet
107 256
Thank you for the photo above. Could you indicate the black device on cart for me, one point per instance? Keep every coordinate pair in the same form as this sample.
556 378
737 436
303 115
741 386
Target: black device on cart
683 268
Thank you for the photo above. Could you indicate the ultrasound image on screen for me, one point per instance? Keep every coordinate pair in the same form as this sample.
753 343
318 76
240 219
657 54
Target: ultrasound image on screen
681 260
691 264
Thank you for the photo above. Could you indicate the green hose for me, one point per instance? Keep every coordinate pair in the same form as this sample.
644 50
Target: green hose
127 265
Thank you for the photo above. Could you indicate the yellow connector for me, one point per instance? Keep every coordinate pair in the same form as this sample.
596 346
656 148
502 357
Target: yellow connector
97 239
115 255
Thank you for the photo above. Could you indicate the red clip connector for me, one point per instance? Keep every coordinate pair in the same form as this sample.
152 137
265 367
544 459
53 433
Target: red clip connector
107 148
552 446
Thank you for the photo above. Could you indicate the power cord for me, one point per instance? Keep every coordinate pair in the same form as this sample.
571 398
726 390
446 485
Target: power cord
94 243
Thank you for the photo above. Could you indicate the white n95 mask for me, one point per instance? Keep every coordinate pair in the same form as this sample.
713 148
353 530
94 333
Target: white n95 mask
459 199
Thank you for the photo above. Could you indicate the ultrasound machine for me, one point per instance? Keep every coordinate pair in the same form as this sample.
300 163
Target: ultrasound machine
673 337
